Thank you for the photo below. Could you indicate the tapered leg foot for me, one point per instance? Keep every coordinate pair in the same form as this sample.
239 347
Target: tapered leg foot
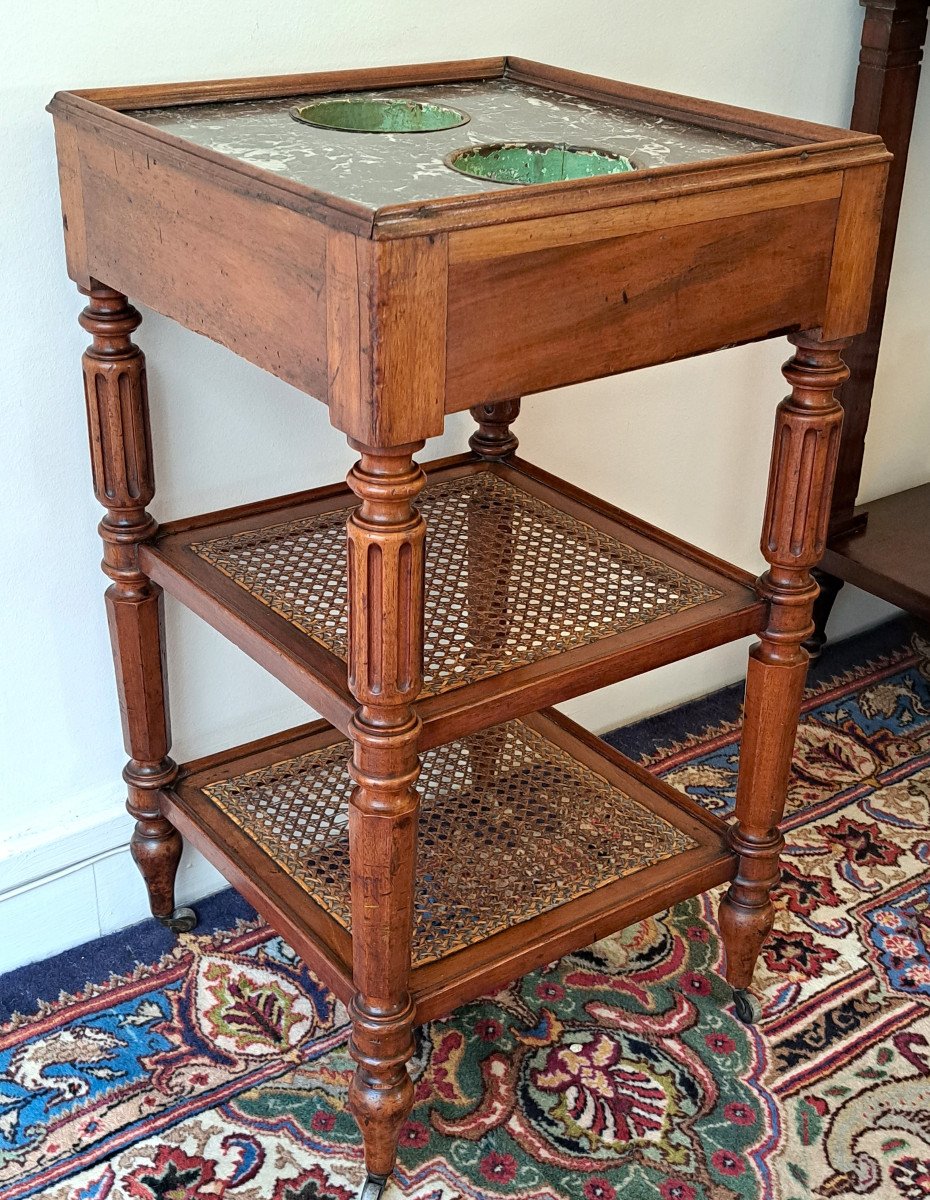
747 1007
381 1091
157 859
747 913
373 1186
156 846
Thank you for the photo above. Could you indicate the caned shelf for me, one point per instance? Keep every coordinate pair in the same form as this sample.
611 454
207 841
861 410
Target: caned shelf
535 592
531 823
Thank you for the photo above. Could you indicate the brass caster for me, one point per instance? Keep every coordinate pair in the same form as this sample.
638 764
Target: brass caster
373 1187
182 920
747 1006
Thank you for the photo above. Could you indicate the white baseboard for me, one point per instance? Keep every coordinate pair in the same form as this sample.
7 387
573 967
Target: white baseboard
62 888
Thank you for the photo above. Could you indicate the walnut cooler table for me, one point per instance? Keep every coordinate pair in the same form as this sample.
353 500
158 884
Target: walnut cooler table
443 831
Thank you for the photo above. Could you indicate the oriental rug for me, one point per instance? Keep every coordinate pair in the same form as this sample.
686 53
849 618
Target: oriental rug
215 1066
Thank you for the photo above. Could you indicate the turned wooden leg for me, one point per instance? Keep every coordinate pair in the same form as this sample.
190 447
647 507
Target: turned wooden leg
121 461
823 606
493 437
804 457
490 561
386 537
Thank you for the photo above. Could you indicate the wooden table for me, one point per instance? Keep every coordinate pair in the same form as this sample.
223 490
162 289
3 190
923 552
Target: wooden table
443 831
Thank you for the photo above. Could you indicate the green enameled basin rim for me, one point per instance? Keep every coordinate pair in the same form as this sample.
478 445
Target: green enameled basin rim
537 162
364 115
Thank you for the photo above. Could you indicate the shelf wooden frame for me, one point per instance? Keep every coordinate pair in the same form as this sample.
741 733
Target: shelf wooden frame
442 985
318 675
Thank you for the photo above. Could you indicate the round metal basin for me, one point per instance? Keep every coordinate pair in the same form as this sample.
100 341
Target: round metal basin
363 115
537 162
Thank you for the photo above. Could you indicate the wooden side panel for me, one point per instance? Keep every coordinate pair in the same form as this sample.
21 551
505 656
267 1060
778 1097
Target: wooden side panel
409 329
539 319
344 326
72 203
386 326
544 233
248 273
857 233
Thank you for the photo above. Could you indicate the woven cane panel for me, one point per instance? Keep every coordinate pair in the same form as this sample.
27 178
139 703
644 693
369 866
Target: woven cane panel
510 579
510 826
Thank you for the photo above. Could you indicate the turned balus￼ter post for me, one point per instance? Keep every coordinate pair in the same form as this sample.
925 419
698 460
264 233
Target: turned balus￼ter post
432 614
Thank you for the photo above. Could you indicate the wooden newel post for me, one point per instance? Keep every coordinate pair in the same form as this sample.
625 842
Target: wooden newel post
124 483
804 454
893 35
386 541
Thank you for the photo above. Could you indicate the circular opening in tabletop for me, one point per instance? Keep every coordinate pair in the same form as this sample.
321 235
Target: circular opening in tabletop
537 162
361 115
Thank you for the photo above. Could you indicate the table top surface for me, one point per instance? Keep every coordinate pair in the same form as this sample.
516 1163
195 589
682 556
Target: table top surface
379 169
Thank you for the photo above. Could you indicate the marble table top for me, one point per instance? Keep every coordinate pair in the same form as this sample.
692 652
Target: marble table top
379 169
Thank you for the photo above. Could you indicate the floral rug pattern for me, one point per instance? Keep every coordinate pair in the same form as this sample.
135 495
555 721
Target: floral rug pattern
219 1068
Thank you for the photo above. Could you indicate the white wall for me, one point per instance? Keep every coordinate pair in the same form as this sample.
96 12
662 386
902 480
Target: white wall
225 432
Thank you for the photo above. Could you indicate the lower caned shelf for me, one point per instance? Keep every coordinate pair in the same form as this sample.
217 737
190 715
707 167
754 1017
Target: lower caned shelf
535 838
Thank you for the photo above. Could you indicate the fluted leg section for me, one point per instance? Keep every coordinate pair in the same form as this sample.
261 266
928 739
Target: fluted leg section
386 537
124 483
804 458
493 437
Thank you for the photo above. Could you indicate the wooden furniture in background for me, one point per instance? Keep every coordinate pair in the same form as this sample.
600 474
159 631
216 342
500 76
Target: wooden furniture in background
882 546
437 834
